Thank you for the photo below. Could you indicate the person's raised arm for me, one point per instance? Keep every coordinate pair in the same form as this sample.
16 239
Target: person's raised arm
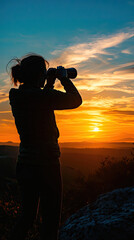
70 99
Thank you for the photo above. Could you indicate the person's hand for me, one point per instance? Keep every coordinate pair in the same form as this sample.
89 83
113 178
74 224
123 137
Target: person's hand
51 77
61 73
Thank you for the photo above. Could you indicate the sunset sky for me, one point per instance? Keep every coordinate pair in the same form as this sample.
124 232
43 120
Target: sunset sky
95 37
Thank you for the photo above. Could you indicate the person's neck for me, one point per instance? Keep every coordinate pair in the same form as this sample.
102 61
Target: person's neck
25 85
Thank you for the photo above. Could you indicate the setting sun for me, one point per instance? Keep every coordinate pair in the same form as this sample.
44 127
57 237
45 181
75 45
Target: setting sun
96 129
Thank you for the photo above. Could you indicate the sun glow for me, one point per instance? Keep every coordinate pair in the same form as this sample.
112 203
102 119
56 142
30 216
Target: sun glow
96 129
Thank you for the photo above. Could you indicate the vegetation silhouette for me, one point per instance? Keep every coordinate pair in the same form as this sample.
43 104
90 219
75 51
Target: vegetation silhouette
112 174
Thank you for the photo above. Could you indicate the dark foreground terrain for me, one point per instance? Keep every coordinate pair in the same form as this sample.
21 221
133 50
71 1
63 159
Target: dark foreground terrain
86 174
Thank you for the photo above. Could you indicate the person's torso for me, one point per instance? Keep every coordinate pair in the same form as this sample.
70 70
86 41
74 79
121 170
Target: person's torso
35 122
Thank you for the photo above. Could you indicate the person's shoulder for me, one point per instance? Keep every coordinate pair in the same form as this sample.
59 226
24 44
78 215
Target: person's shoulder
12 91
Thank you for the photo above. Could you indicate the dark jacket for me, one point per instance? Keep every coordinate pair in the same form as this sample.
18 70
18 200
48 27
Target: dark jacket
33 110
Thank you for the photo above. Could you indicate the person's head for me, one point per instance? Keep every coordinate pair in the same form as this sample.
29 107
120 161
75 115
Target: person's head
30 70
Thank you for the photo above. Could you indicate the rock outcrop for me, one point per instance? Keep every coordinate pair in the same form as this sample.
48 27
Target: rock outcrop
111 217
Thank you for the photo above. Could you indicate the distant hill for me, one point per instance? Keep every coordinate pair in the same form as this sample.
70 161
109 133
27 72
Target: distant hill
8 157
80 160
97 144
123 144
9 143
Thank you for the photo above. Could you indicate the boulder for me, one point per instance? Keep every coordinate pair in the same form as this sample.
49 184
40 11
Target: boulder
110 217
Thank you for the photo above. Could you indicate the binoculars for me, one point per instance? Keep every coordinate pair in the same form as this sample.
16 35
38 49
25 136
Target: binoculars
71 72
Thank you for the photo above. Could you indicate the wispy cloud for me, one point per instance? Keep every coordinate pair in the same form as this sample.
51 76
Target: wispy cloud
105 81
5 112
79 53
119 112
126 51
5 85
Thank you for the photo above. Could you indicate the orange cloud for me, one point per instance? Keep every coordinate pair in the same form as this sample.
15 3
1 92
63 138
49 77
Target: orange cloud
107 89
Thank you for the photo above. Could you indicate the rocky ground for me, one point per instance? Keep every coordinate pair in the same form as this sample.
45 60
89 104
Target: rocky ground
110 217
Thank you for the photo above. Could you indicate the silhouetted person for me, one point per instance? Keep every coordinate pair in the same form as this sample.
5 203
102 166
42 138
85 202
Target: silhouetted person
38 166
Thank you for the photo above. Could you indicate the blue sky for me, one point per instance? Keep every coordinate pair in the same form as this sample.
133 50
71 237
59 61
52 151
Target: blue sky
96 37
43 26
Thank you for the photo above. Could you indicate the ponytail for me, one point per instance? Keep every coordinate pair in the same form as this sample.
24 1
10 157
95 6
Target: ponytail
16 74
